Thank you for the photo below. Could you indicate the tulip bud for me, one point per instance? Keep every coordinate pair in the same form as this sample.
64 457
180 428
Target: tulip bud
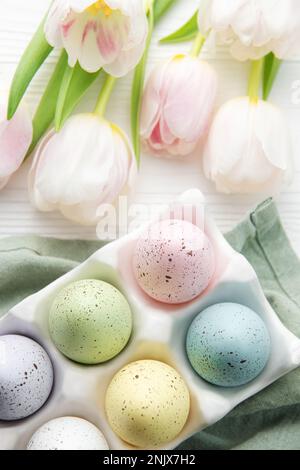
87 164
253 28
248 148
108 34
15 140
177 106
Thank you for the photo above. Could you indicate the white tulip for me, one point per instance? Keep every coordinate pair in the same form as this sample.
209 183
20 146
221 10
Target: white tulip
108 34
253 28
87 164
248 148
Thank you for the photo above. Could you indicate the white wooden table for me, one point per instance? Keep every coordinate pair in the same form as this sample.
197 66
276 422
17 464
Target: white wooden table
159 180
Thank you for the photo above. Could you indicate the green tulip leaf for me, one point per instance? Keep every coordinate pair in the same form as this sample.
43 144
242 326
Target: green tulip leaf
65 84
156 11
271 69
34 56
45 112
75 83
187 32
160 7
47 109
137 92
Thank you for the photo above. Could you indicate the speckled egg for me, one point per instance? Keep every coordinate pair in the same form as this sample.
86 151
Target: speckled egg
228 345
173 261
147 404
90 321
26 377
68 433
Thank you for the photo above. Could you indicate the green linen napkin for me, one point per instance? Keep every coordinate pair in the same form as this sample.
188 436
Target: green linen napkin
271 419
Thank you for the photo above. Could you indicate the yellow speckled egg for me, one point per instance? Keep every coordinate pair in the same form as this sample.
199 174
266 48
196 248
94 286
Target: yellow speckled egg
147 404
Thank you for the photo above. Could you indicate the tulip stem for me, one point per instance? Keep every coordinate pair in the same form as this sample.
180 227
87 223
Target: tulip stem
148 5
198 44
255 79
104 95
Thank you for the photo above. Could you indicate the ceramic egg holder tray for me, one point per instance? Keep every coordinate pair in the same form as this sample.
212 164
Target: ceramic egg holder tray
159 333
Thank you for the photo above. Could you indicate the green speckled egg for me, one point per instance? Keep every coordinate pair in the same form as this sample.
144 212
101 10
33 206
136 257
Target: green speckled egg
90 321
147 404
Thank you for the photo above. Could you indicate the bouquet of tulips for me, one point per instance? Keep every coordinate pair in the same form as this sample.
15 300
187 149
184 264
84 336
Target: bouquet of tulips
247 143
82 161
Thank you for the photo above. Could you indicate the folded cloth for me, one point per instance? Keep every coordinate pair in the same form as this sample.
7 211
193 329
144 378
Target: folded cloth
27 264
269 420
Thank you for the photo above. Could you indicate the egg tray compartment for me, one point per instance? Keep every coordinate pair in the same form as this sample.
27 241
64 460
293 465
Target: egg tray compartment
159 333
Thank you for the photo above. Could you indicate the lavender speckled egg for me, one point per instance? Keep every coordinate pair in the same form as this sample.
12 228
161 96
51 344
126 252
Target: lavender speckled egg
228 345
173 261
90 321
26 377
147 403
68 433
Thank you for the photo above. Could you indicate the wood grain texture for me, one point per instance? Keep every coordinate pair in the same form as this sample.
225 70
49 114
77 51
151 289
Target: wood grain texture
160 180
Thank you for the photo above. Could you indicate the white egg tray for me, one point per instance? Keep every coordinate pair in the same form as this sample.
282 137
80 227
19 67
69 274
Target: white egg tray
159 333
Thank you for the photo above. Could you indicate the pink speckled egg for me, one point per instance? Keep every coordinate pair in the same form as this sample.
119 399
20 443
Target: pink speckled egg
173 261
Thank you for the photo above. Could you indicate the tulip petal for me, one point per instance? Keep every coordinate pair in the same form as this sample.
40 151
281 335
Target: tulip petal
125 61
58 12
268 120
80 5
95 162
248 148
15 140
152 100
109 35
134 10
186 120
289 44
35 195
172 121
68 148
254 29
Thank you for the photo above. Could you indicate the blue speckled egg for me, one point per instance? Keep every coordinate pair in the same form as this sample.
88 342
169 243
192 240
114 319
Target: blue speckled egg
228 345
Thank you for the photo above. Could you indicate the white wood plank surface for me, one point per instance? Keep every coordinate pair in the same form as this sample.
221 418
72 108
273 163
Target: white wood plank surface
159 180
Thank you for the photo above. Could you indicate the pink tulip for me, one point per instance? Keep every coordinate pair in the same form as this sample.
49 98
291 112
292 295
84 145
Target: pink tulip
108 34
177 106
15 140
